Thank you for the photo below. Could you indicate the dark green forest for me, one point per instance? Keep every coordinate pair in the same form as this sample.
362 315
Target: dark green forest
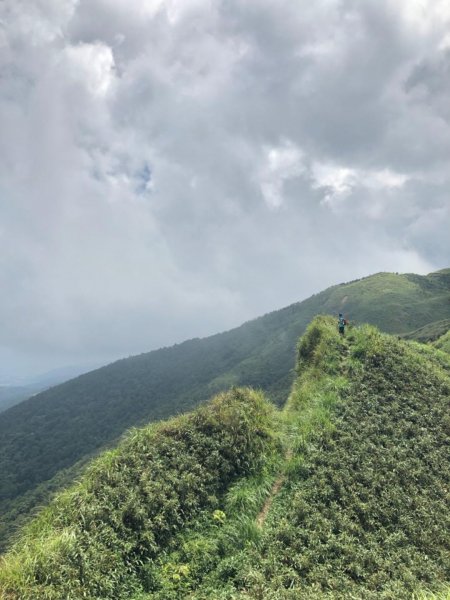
45 441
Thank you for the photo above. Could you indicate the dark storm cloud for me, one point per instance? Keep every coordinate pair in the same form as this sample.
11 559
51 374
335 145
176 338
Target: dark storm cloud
172 168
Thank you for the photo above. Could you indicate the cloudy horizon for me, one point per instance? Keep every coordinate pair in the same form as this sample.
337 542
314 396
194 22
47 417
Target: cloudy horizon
172 168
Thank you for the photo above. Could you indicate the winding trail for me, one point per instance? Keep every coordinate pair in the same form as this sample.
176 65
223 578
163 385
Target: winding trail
278 483
261 518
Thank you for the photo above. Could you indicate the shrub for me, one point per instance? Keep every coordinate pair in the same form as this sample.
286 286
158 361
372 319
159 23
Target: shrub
95 538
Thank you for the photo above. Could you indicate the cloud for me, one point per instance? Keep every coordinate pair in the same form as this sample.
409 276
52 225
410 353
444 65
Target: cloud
281 163
170 169
92 65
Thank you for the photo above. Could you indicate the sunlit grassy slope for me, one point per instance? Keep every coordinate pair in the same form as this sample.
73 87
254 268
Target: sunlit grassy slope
354 470
45 437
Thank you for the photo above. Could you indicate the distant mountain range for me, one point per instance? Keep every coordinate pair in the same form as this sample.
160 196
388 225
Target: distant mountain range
11 394
57 428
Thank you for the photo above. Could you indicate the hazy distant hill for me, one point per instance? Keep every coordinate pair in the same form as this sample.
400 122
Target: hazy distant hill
22 390
64 424
13 394
430 332
341 495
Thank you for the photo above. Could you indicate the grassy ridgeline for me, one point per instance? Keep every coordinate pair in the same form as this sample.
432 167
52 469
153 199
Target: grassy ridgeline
223 560
367 515
360 511
430 332
99 538
44 440
363 510
364 513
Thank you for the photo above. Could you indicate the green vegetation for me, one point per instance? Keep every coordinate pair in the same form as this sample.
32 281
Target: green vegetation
41 439
99 538
221 560
366 514
443 343
444 594
430 332
363 511
341 495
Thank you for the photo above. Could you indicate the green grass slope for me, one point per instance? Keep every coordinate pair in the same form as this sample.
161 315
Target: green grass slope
99 538
430 332
365 514
361 507
342 494
443 343
56 429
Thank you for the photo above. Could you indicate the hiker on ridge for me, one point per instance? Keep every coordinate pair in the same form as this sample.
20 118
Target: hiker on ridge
341 324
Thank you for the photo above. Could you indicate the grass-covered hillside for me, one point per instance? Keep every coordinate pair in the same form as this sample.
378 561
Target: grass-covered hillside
429 332
364 511
99 539
43 438
443 342
343 494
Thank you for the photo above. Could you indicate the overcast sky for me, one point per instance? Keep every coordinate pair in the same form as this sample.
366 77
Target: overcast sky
172 168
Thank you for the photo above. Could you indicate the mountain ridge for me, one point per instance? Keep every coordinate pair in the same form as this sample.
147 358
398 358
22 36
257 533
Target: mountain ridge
342 472
57 428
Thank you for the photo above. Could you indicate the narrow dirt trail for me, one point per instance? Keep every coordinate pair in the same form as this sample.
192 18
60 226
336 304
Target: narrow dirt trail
261 518
278 483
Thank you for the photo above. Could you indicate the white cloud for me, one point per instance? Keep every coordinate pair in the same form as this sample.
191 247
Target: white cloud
170 168
39 21
385 179
281 163
91 64
336 181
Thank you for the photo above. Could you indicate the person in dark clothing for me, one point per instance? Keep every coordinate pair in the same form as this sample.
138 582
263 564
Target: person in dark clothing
341 324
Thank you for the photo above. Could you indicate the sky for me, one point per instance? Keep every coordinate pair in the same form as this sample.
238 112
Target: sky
172 168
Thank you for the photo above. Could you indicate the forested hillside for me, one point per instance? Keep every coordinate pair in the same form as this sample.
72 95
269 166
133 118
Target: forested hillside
342 494
58 428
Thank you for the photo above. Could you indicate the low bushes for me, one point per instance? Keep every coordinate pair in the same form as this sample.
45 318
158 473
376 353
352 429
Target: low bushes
95 538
